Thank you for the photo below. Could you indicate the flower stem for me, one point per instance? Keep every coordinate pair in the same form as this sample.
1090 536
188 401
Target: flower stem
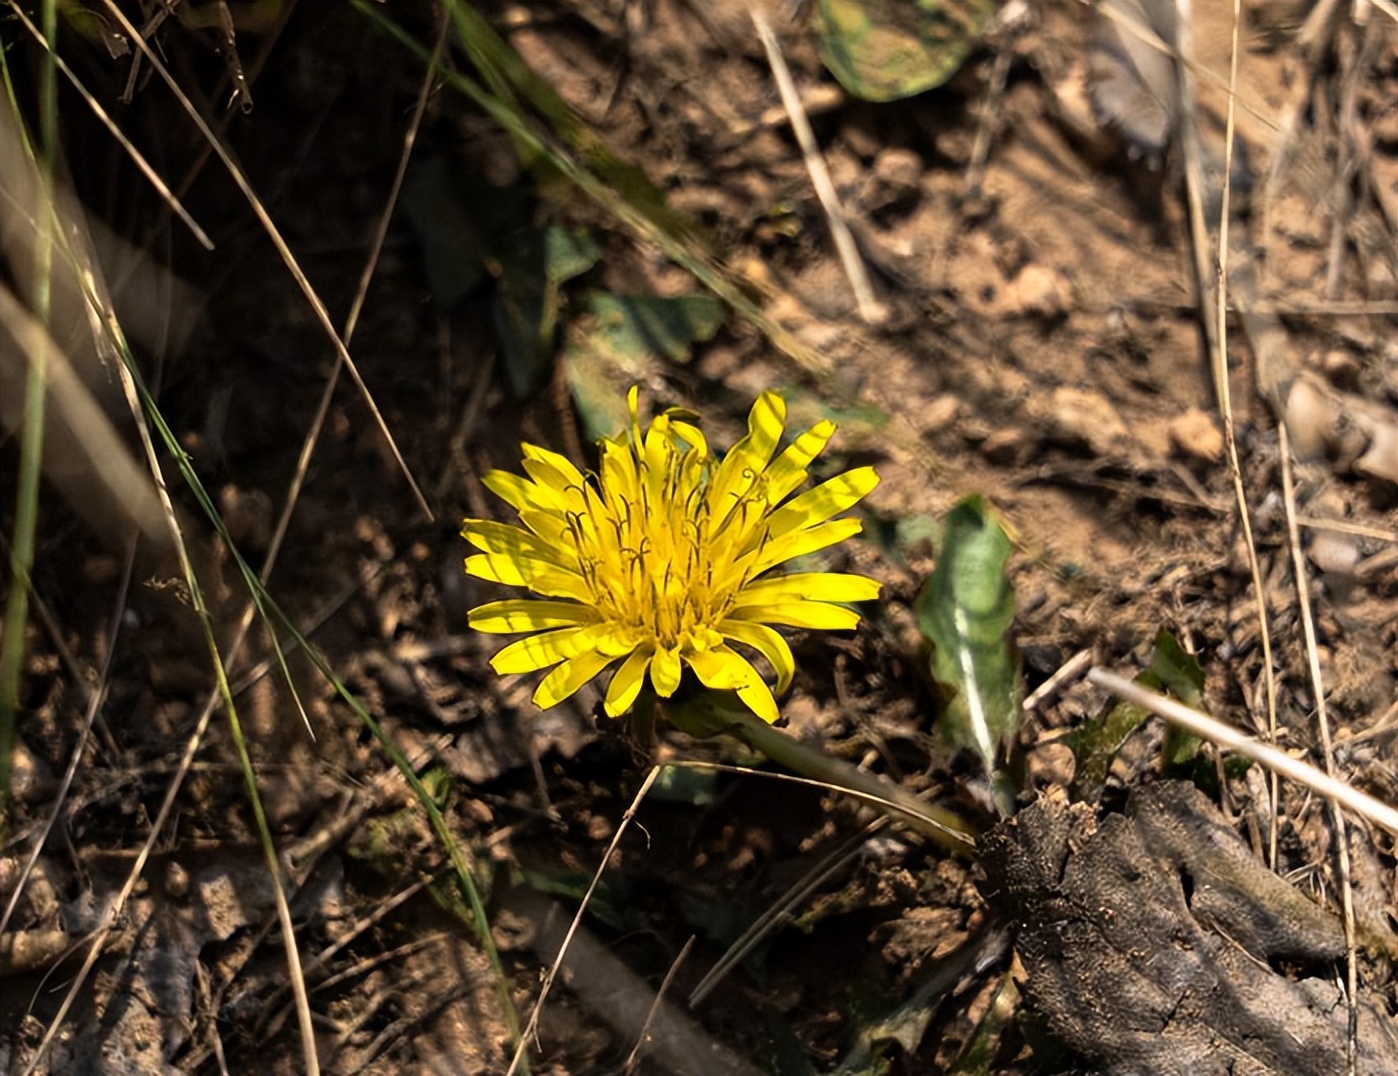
706 715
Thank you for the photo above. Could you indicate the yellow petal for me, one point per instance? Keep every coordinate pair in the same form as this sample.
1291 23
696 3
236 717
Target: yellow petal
541 578
550 469
757 696
568 677
812 586
826 500
523 494
799 543
633 408
541 651
766 642
800 614
626 683
789 469
724 669
665 672
621 482
551 527
515 543
748 458
693 436
524 614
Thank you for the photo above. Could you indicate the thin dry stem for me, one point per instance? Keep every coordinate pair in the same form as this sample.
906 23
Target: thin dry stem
1303 598
1223 393
531 1030
633 1059
870 309
95 698
142 165
1215 731
274 234
779 912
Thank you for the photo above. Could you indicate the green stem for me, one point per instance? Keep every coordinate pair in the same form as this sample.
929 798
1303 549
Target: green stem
706 716
22 545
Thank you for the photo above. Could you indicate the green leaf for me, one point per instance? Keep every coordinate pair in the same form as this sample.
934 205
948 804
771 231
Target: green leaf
965 612
1171 669
883 50
452 241
639 324
625 338
1174 670
534 263
1096 744
610 899
471 231
681 784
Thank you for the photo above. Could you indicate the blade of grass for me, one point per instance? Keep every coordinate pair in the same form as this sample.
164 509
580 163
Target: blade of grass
268 607
152 177
532 1028
32 438
136 401
705 716
274 234
586 163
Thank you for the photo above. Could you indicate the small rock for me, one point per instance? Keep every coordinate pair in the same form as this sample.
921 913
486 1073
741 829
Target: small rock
30 777
1051 764
1380 460
859 138
1080 415
248 515
1007 447
1041 292
1311 419
1333 552
940 412
893 185
1195 435
1340 368
101 569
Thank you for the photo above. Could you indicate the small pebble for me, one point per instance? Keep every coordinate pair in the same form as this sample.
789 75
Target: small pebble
1051 764
1195 435
1041 292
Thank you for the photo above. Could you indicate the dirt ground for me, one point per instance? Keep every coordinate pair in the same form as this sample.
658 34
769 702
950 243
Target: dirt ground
1039 341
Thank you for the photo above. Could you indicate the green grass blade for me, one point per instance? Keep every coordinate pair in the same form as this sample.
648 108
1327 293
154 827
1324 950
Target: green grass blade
32 438
576 153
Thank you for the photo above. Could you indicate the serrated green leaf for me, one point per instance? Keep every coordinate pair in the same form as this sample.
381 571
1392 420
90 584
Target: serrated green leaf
884 50
965 612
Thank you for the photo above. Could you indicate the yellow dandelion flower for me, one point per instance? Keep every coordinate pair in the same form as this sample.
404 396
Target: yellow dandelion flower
665 558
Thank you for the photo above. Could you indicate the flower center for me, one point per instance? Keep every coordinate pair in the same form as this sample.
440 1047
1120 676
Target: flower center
664 563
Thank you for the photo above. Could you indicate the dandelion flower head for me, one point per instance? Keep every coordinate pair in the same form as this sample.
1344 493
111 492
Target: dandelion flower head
665 558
